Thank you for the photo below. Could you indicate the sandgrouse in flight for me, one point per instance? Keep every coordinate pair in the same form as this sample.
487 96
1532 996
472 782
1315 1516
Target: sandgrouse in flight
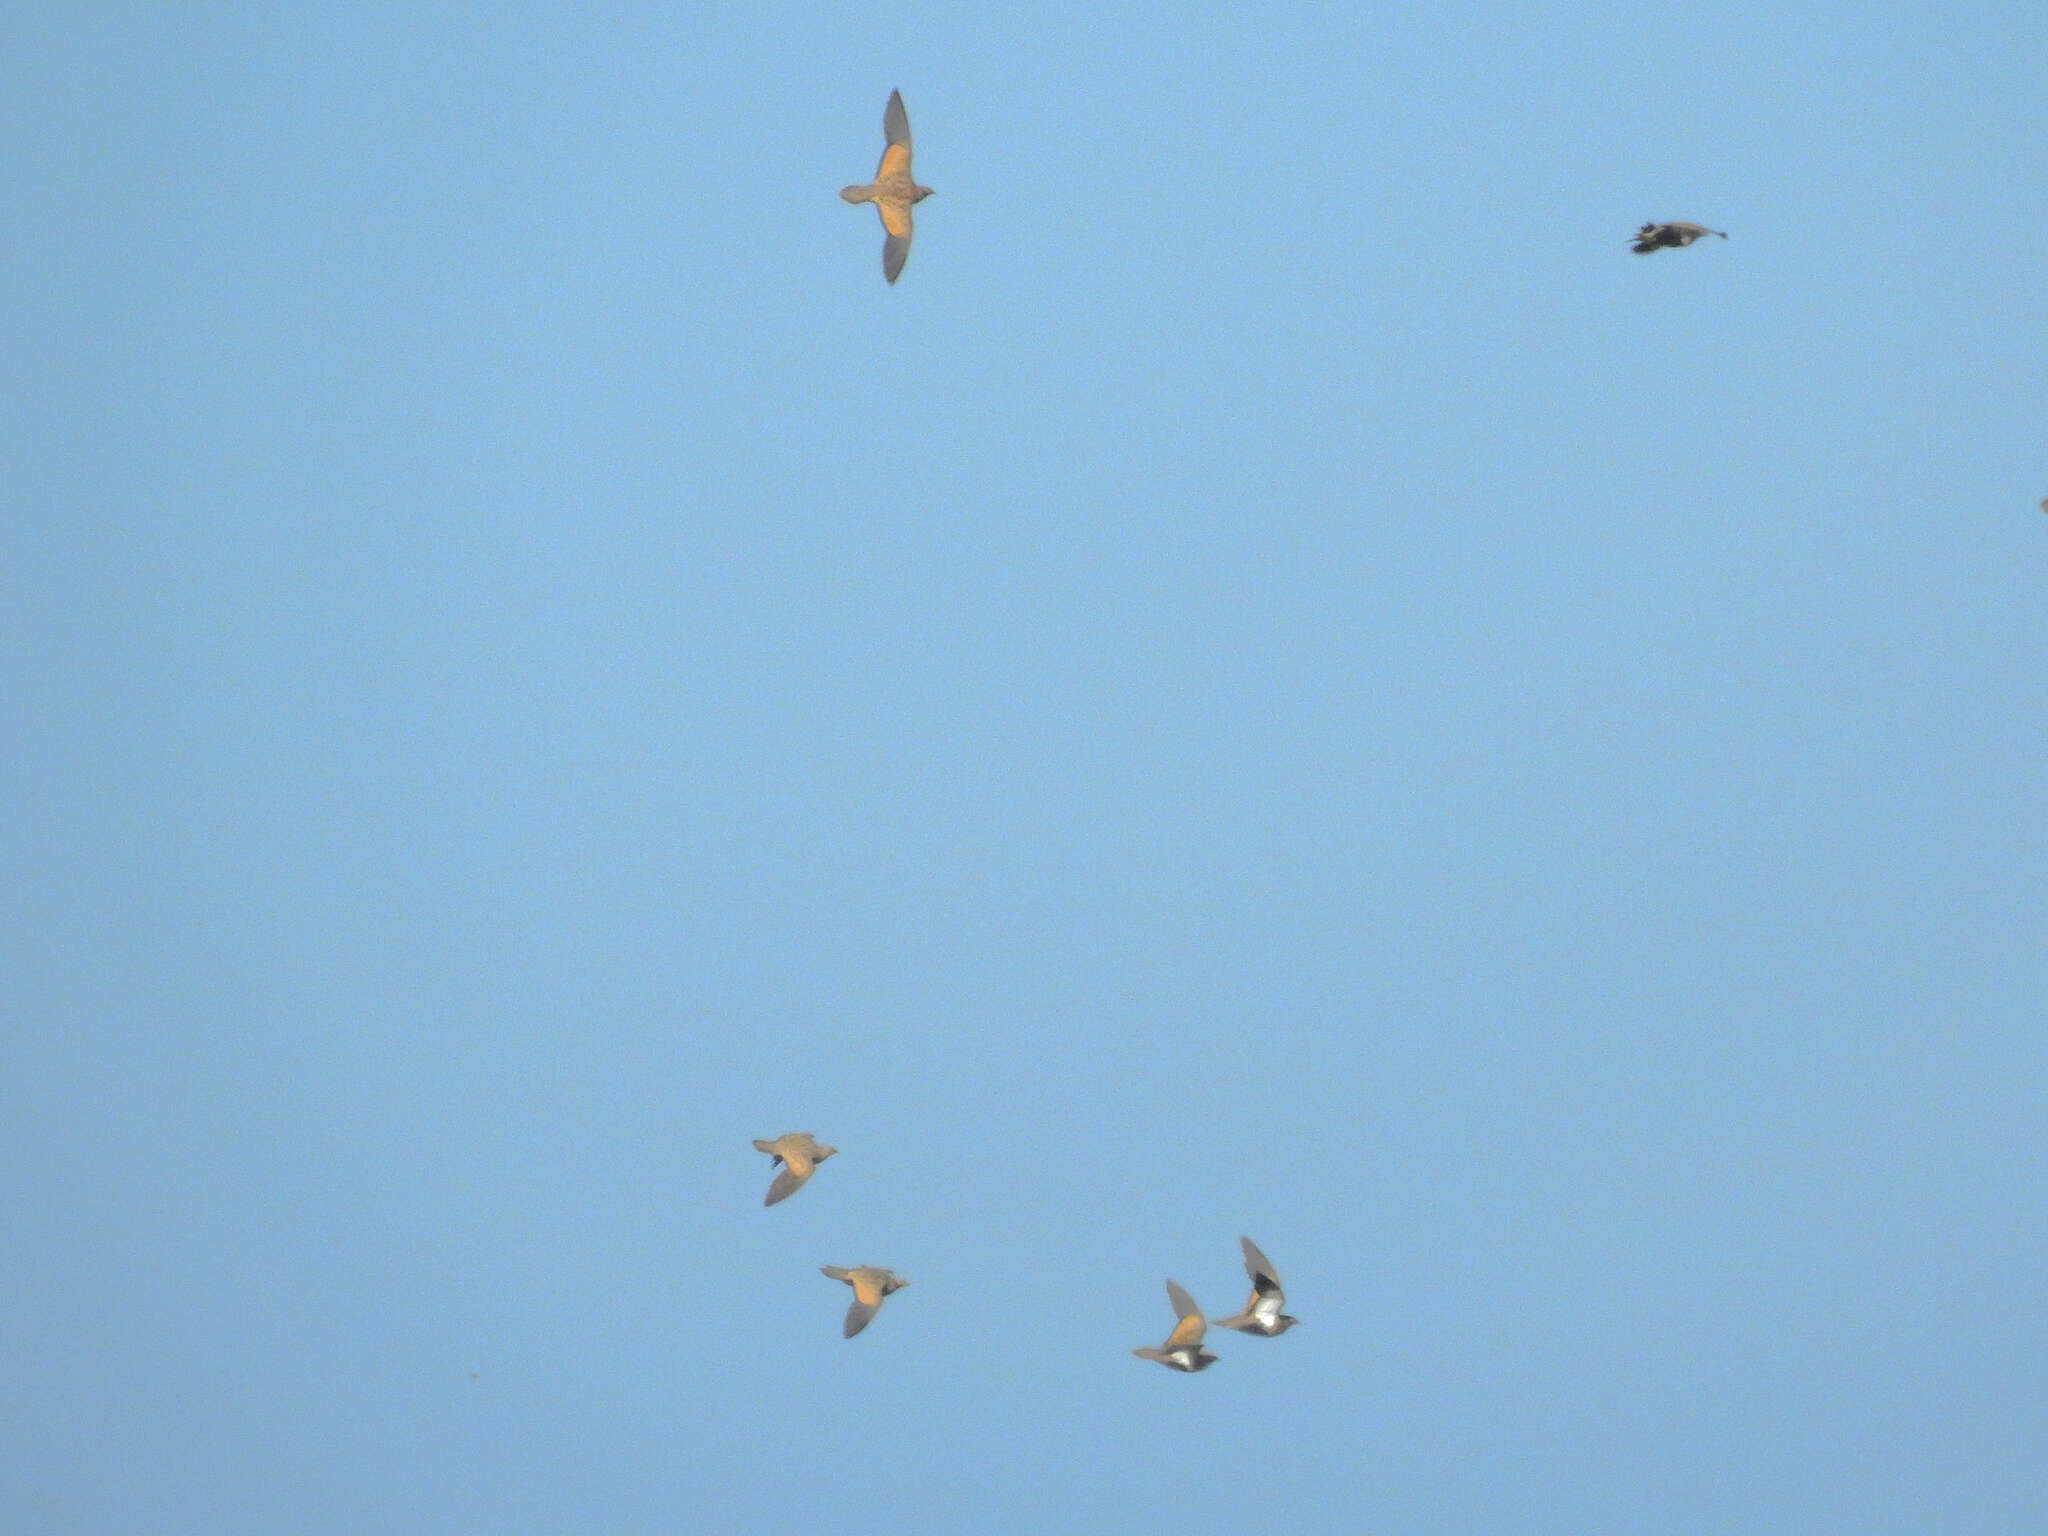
1655 237
797 1154
870 1287
1182 1350
1261 1314
892 191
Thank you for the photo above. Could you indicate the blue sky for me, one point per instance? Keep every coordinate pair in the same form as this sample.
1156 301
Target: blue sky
1279 682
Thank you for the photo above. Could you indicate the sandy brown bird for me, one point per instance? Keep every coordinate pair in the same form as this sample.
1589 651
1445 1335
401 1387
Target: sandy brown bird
797 1154
1261 1314
1655 237
1182 1350
870 1286
892 191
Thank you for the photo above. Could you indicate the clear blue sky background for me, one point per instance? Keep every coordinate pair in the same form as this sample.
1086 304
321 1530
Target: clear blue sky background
1280 682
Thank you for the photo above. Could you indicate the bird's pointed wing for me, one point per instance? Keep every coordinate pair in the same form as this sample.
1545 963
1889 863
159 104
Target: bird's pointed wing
896 131
1187 1333
1183 1304
867 1296
1257 1265
895 248
787 1183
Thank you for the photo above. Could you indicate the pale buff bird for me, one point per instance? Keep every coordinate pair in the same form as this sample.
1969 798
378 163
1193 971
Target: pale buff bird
870 1286
1182 1350
892 191
1655 237
1261 1314
797 1154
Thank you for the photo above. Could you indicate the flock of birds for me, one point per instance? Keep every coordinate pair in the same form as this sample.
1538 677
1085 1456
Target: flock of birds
795 1157
894 192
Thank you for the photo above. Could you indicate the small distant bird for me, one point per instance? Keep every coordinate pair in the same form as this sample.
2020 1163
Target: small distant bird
892 191
1182 1350
870 1285
798 1156
1261 1314
1654 237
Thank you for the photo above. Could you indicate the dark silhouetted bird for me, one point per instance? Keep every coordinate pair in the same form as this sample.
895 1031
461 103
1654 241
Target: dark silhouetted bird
1654 237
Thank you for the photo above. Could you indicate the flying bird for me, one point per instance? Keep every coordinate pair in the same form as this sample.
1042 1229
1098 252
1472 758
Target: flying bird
1654 237
1182 1350
870 1285
798 1156
892 191
1261 1314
